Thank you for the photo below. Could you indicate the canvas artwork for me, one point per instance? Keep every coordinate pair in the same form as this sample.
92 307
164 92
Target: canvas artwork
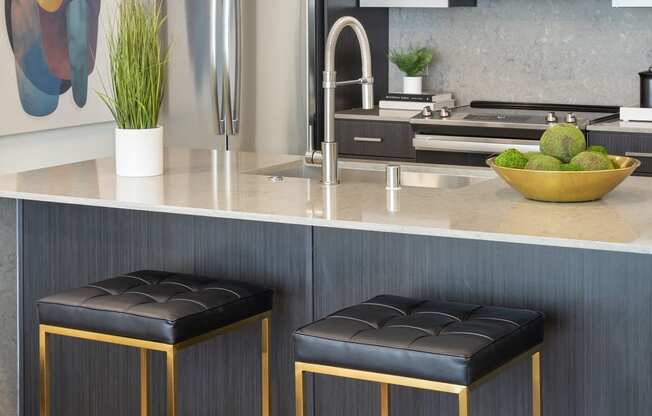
53 60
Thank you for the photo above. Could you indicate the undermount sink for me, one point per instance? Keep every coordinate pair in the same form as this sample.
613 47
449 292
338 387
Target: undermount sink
412 175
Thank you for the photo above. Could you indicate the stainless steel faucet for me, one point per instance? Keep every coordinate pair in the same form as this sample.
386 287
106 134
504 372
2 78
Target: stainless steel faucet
328 154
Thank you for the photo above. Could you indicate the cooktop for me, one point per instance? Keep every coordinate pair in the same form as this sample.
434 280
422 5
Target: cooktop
518 115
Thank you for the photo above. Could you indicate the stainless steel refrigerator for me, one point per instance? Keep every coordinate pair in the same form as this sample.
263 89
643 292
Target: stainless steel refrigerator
237 75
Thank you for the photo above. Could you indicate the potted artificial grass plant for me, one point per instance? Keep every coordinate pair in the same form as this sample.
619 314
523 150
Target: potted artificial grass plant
137 66
412 62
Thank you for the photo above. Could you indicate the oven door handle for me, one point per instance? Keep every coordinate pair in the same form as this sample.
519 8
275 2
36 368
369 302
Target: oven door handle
458 144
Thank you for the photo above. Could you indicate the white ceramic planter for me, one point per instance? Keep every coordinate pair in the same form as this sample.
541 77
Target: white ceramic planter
412 85
144 190
139 153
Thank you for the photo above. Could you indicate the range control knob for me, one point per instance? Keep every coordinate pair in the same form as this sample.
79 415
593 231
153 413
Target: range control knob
426 112
444 112
571 118
552 117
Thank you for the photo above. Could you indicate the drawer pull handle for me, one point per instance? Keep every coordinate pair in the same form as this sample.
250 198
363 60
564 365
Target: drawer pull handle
637 154
368 139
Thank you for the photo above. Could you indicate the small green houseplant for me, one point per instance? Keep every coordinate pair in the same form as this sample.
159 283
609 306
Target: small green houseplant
412 62
137 68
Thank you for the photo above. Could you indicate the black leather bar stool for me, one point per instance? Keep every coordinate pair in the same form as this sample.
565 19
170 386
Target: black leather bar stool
154 311
432 345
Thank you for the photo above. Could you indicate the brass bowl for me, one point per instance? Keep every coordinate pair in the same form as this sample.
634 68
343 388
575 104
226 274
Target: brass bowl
552 186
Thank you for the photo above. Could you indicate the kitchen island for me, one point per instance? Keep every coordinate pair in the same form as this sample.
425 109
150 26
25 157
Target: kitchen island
587 266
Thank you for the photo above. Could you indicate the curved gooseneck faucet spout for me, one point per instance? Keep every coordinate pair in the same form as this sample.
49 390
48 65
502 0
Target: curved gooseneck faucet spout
328 155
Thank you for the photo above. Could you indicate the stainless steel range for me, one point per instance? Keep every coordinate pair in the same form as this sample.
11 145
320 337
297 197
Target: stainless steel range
469 135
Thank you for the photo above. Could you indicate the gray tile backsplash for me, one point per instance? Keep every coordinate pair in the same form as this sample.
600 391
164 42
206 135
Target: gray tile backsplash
568 51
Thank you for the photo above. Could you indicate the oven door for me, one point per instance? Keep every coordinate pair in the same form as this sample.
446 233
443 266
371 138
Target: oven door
464 150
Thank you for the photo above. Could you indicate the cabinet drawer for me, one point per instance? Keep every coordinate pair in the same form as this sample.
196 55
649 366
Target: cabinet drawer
636 145
374 139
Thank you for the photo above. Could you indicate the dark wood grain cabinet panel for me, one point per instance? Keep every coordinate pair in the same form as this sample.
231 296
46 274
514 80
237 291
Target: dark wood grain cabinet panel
367 138
596 359
637 145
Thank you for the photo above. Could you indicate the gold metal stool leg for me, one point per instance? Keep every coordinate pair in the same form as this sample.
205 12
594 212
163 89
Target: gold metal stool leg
384 399
144 382
172 382
44 372
298 388
536 384
265 404
464 402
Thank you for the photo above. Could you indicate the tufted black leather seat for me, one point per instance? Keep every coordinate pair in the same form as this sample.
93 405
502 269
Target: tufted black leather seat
155 306
430 340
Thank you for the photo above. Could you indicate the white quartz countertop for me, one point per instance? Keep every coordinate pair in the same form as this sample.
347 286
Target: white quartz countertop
213 184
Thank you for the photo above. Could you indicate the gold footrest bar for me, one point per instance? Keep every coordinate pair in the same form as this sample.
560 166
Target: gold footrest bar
171 351
386 380
379 378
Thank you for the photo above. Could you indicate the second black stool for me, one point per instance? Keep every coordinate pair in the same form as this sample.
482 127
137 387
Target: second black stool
154 311
432 345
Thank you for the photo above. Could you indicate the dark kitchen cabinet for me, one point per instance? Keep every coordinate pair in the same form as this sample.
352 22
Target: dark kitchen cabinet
375 139
636 145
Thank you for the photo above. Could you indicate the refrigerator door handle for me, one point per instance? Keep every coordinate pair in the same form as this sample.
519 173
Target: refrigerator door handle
226 112
232 66
237 66
216 56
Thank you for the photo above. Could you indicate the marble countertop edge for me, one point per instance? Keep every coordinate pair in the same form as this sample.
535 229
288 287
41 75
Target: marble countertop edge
631 248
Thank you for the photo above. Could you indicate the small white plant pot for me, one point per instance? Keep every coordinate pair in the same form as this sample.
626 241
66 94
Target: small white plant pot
139 153
142 190
412 85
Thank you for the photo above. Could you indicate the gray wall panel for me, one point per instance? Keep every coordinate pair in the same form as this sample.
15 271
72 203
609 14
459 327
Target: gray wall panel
8 303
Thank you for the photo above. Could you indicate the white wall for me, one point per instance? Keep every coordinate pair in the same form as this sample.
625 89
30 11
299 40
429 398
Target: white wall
55 147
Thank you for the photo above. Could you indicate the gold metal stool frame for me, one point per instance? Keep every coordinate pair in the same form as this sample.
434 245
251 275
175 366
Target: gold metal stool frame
385 380
170 350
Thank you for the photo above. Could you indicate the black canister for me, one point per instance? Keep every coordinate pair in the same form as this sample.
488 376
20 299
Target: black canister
646 88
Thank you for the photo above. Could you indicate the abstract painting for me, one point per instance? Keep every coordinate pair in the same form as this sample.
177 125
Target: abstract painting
54 47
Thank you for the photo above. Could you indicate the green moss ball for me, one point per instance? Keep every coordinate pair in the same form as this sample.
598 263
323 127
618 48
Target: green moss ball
543 162
563 141
592 161
598 149
530 155
511 158
570 167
